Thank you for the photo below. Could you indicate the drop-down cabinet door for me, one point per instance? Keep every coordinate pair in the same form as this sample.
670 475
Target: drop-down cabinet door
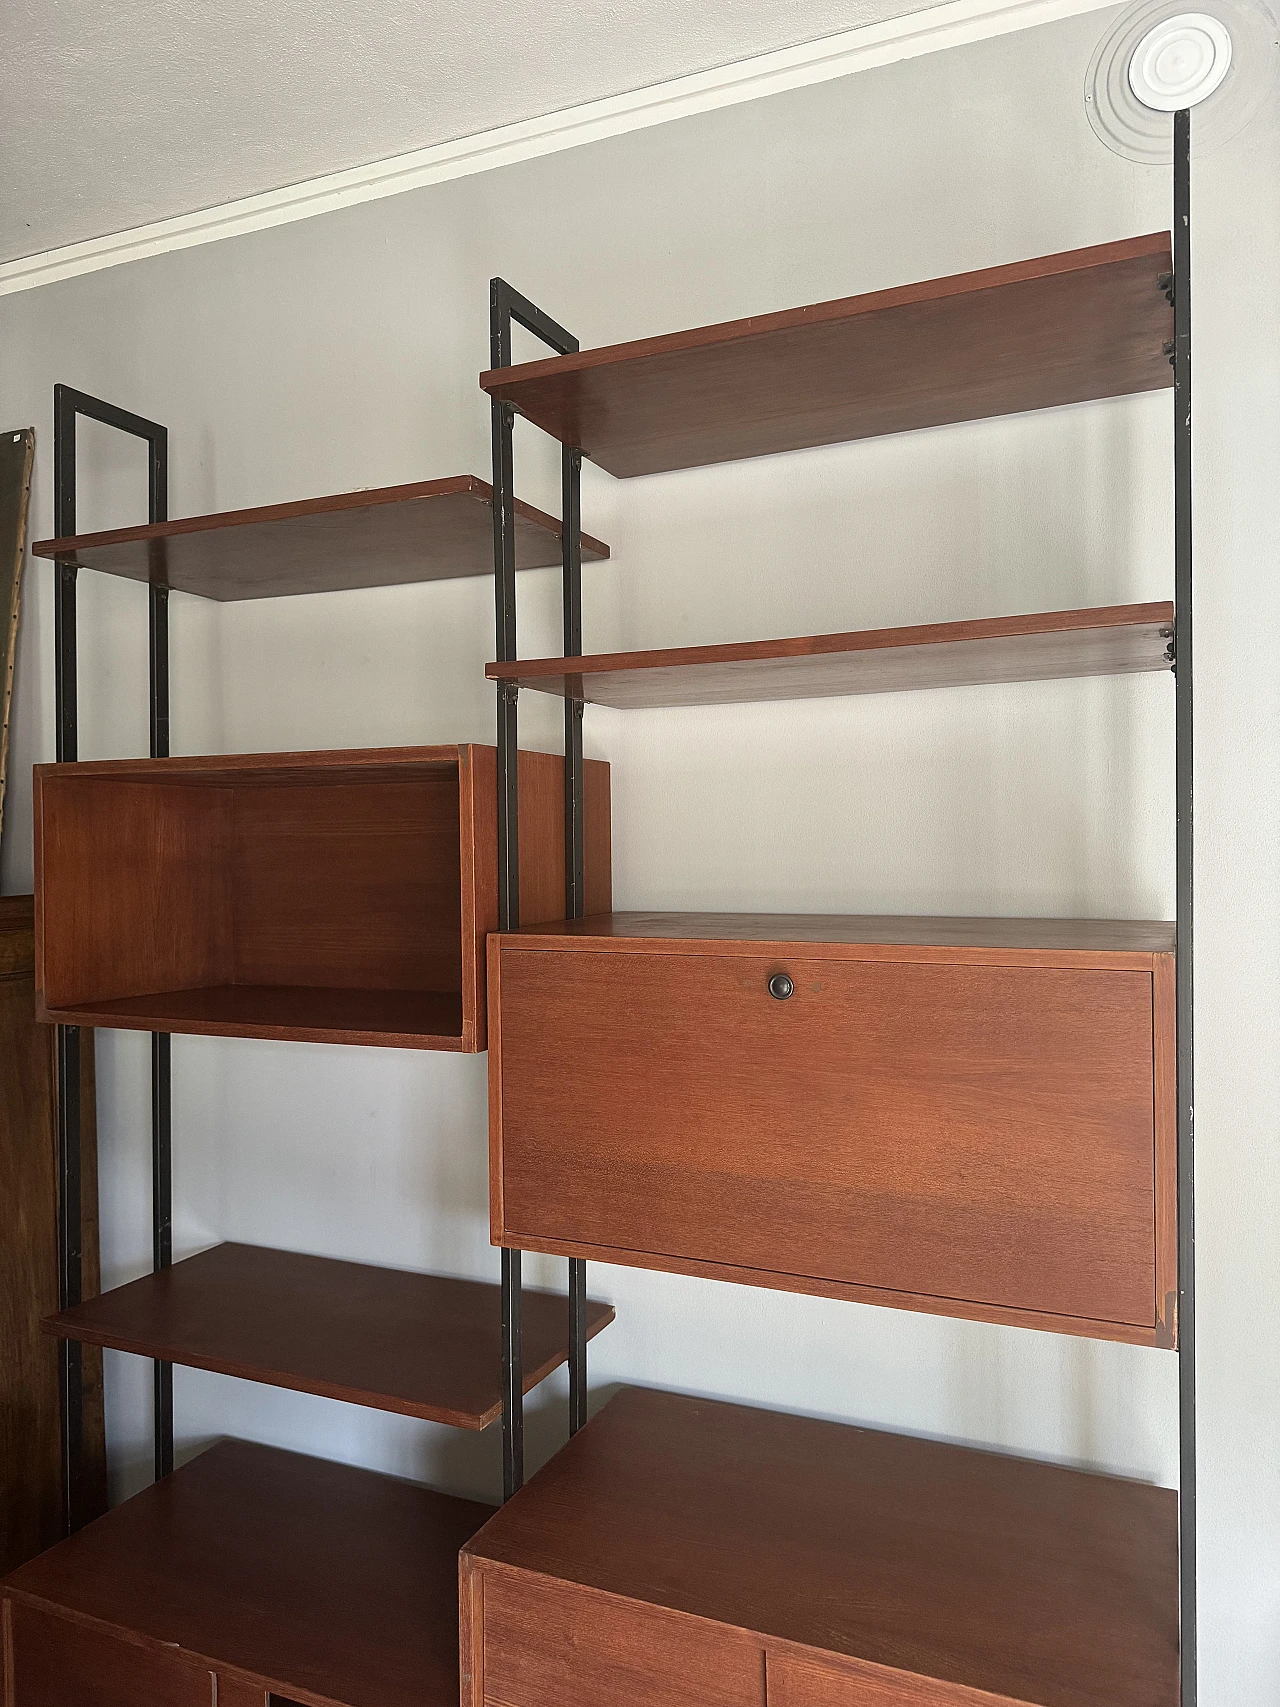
946 1133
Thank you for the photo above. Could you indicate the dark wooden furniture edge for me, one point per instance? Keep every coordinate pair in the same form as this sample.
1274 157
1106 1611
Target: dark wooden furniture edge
1158 613
64 550
69 1324
1127 1333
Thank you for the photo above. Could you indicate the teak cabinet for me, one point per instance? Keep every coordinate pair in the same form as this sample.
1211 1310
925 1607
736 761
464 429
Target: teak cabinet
684 1553
338 897
249 1577
973 1117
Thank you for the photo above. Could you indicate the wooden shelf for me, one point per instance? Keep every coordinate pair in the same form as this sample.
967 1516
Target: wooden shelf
1114 640
274 1572
1061 329
433 530
317 897
842 1564
422 1344
298 1013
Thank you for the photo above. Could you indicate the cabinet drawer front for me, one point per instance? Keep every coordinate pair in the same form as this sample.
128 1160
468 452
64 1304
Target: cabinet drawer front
57 1663
969 1132
549 1644
804 1683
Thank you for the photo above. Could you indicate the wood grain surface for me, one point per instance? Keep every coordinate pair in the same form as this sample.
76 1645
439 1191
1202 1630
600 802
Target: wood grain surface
426 1345
30 1410
311 896
547 1644
320 1581
1037 334
1115 944
835 1544
1117 640
59 1663
431 530
793 1682
975 1134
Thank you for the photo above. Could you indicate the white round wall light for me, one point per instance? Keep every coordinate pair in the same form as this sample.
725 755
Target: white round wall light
1158 58
1180 62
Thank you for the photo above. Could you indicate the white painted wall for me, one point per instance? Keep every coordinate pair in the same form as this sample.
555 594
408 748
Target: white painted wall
342 352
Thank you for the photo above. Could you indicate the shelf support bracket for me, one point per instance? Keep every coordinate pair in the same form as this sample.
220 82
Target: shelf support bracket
507 306
68 405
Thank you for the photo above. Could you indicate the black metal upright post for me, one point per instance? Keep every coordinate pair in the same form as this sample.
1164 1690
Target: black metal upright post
504 576
70 1367
1185 864
161 1042
505 306
574 896
68 405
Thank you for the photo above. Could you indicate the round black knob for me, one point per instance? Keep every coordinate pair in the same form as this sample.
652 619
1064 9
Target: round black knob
780 986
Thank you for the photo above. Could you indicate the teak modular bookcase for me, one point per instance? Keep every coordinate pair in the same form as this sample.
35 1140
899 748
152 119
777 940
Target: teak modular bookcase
986 1118
1010 1140
169 900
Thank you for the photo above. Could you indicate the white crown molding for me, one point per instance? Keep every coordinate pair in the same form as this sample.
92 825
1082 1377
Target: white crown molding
948 25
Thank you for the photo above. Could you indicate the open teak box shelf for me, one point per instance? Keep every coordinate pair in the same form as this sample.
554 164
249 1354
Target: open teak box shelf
331 897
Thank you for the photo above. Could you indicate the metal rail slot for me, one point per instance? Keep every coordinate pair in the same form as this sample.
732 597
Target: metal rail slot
68 405
505 307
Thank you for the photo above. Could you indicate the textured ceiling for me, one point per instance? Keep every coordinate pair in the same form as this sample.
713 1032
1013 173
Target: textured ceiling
119 112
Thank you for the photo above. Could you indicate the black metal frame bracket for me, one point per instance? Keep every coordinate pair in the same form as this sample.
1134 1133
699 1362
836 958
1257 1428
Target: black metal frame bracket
68 405
507 306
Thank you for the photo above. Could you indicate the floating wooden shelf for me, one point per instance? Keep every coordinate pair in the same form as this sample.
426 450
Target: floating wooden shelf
1061 329
248 1571
680 1550
425 1345
970 1117
433 530
1114 640
325 897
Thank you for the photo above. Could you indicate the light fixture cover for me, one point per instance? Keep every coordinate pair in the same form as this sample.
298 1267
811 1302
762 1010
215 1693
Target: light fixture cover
1158 57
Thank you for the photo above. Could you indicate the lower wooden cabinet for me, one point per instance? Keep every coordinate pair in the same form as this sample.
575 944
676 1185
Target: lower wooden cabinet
974 1117
546 1644
249 1577
685 1553
56 1662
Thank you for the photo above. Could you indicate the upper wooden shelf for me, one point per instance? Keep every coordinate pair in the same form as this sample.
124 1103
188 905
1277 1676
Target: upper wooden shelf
313 1580
1061 329
1117 640
425 1345
969 1576
433 530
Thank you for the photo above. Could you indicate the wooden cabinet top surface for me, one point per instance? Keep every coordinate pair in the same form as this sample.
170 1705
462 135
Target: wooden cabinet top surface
315 1577
1033 1582
1122 942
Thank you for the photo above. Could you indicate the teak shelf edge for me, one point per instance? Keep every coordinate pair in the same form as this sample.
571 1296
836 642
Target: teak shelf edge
98 1322
1052 645
65 550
